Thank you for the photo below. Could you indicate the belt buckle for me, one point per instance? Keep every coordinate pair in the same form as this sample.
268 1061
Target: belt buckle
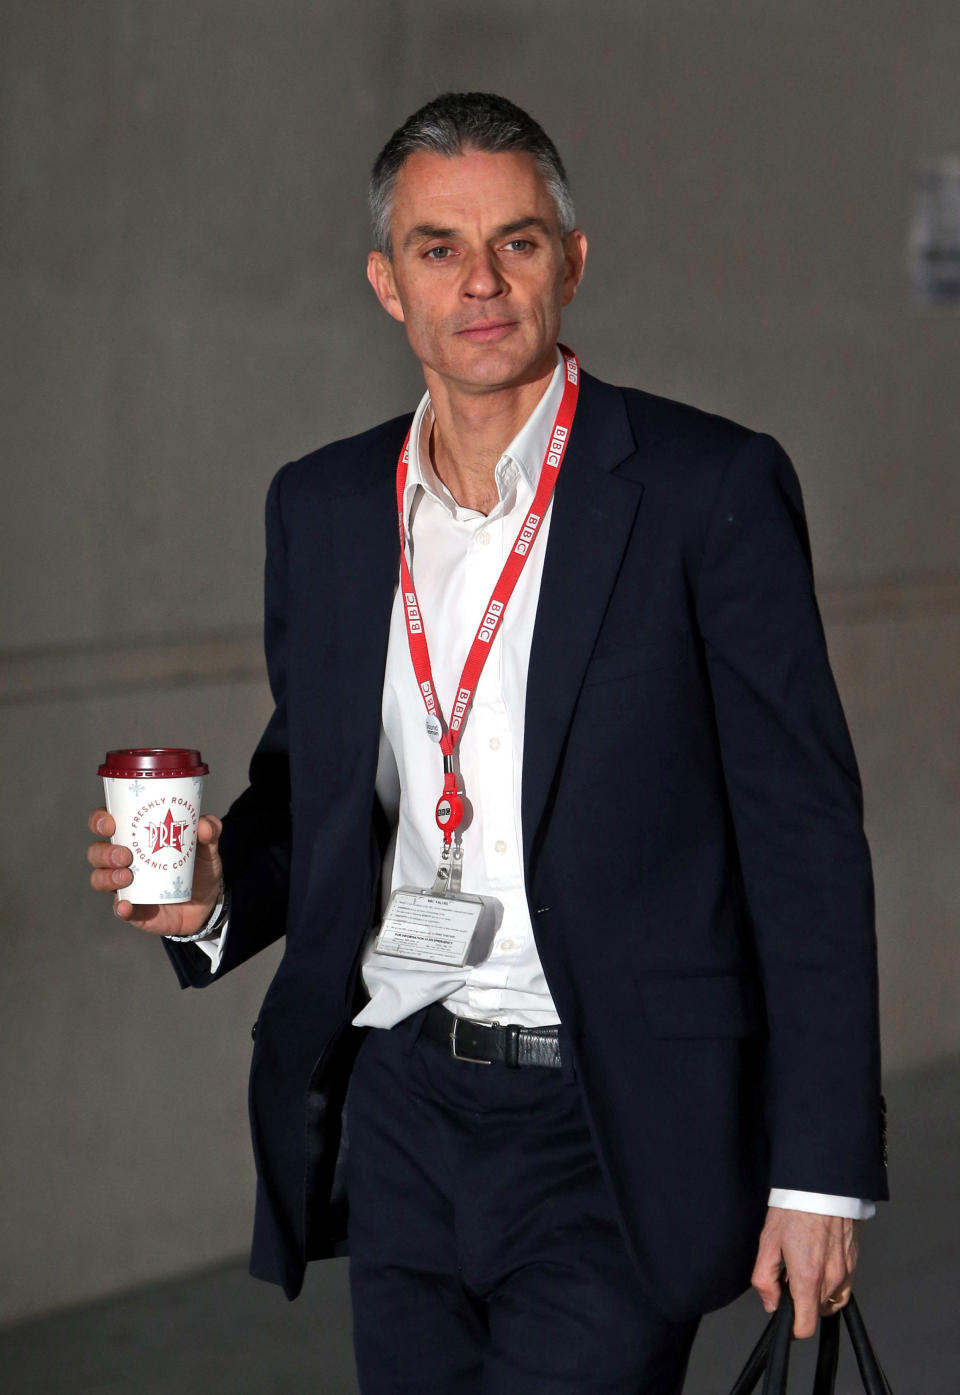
474 1060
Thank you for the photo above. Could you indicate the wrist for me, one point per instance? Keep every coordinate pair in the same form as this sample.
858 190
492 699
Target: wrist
211 927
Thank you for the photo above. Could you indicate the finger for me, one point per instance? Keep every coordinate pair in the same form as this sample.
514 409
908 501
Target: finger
108 855
143 917
766 1277
806 1309
126 910
836 1284
110 878
101 822
851 1248
835 1302
836 1278
209 829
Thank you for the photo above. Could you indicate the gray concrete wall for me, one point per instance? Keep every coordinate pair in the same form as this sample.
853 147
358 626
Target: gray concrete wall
183 235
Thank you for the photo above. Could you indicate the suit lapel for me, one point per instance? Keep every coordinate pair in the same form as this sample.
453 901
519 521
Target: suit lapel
593 516
367 551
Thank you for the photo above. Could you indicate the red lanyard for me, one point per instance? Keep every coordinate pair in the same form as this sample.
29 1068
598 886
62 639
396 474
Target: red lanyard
450 807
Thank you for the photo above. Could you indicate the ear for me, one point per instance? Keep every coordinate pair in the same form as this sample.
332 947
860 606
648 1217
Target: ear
575 258
380 276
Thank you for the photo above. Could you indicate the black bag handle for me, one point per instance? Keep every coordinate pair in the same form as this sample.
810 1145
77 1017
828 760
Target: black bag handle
871 1372
828 1355
778 1362
771 1356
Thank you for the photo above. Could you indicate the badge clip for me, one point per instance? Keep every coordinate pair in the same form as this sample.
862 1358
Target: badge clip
449 870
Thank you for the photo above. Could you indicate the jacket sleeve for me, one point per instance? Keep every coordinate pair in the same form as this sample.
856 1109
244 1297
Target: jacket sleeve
795 802
255 846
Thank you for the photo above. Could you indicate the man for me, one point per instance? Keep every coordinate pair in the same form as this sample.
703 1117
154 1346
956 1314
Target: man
561 1133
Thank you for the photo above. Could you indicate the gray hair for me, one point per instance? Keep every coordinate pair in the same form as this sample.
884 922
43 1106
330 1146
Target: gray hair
452 124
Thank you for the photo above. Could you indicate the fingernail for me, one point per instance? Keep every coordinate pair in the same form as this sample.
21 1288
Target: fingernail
101 826
118 877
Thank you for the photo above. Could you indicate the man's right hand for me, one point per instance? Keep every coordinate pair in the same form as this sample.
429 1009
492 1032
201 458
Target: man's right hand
111 872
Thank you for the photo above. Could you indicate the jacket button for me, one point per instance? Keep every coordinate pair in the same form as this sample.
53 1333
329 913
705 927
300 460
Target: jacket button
253 1032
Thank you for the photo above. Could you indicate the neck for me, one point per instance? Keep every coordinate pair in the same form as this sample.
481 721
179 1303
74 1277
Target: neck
471 432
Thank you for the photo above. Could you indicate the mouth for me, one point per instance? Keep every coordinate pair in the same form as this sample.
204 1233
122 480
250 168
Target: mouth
486 331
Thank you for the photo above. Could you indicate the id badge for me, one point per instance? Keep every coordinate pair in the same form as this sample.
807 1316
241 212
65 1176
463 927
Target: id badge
440 929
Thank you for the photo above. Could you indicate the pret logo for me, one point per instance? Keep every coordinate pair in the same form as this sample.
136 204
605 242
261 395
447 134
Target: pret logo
413 613
527 534
560 434
490 621
167 834
163 833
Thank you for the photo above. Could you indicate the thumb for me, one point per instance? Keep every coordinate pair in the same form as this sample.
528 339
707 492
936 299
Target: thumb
209 828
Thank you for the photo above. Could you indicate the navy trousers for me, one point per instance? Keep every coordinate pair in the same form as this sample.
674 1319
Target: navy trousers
485 1256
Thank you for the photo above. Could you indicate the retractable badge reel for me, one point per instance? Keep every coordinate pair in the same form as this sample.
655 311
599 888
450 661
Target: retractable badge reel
449 818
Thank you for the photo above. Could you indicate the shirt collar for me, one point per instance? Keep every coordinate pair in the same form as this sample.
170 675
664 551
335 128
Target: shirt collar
522 459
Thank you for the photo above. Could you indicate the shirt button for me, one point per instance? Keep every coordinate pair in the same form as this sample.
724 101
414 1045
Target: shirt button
500 846
494 743
483 539
506 945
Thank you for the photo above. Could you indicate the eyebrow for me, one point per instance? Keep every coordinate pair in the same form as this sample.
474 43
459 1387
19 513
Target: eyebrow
425 231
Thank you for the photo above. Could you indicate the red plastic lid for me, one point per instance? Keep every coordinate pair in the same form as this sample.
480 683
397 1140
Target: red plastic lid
164 763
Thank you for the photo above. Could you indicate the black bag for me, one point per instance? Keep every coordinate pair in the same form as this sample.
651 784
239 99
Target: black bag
772 1354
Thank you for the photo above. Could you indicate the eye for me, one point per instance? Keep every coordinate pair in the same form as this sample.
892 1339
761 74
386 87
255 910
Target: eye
519 244
439 254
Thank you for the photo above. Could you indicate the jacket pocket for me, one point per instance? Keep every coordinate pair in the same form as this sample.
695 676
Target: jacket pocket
710 1005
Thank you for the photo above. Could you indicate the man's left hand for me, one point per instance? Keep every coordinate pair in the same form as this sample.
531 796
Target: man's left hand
818 1255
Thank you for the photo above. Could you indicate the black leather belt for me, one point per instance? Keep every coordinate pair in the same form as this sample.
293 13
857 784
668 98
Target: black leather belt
485 1044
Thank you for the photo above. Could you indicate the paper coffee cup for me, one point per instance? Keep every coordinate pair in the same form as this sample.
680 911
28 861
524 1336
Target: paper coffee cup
154 797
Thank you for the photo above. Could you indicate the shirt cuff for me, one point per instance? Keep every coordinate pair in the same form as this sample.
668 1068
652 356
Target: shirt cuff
214 945
822 1204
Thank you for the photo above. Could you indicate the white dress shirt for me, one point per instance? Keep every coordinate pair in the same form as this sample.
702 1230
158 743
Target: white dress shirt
456 556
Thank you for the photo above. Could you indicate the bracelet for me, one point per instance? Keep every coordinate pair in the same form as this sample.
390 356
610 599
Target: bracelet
211 930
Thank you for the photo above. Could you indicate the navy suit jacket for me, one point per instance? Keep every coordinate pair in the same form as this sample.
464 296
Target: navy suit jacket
697 875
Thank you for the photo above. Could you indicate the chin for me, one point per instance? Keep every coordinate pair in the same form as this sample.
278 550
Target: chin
490 365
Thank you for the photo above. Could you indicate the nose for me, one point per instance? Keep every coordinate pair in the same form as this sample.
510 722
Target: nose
483 279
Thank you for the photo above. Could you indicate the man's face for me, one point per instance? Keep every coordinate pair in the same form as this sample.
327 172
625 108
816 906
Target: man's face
479 274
